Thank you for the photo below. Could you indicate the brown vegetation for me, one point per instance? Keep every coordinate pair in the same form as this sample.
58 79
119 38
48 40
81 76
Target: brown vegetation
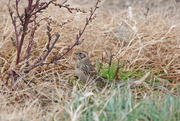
155 44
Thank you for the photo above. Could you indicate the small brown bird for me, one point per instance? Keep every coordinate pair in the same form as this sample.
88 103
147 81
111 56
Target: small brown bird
85 70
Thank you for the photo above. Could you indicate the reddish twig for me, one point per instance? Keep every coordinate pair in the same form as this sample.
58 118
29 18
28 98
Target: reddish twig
41 8
25 25
17 11
15 27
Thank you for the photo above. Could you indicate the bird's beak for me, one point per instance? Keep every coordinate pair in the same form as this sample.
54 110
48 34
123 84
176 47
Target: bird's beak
75 53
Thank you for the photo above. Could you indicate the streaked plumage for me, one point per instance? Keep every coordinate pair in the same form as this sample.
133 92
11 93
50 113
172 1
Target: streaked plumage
85 70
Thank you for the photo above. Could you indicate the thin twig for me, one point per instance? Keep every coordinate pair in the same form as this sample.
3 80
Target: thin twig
15 27
42 8
57 37
64 1
17 11
68 8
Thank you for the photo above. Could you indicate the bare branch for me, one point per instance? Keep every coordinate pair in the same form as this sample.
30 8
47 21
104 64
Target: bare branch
42 8
17 11
57 37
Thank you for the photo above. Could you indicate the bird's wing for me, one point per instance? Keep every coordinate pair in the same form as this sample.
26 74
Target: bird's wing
88 69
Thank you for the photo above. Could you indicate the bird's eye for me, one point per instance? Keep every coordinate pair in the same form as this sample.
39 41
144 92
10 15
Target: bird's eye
82 55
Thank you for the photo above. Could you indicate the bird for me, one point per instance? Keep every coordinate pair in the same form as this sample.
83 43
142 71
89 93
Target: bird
85 71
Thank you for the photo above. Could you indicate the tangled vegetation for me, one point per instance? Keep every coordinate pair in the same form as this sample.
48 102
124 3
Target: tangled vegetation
138 40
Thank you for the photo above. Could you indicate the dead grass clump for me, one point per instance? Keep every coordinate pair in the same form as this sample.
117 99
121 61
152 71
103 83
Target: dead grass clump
158 49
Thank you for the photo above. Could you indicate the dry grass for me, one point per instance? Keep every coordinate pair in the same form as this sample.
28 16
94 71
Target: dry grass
156 44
